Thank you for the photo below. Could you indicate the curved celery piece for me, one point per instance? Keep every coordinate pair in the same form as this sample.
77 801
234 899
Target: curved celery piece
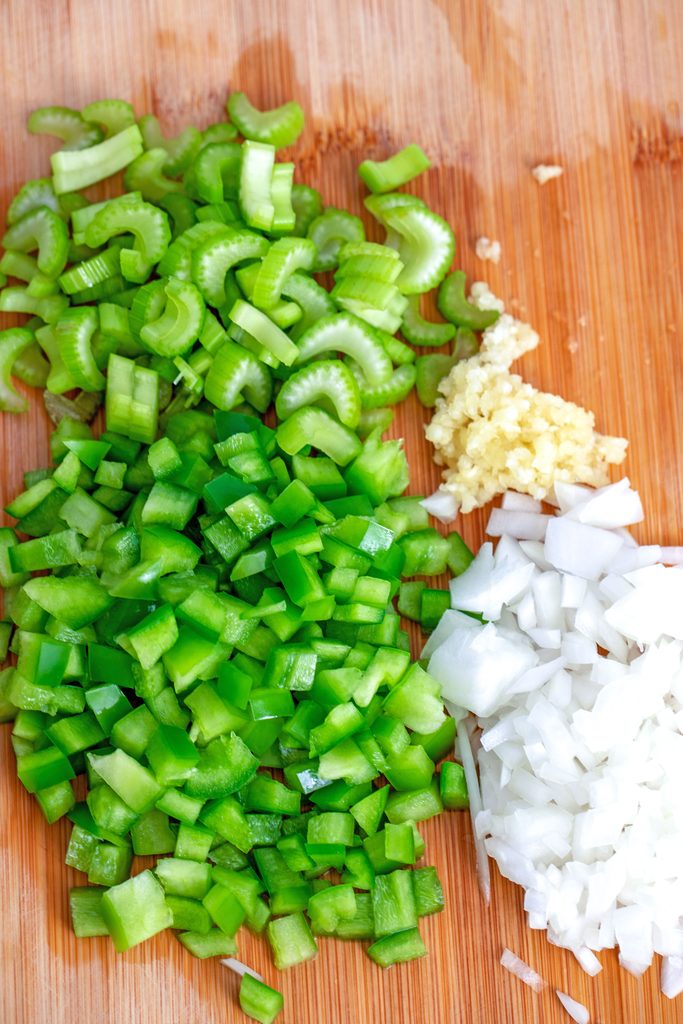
216 171
66 124
281 184
74 332
284 314
311 297
419 331
425 243
430 371
454 306
43 230
181 210
176 330
344 333
278 127
315 427
25 268
19 300
330 231
235 375
397 350
13 342
372 420
59 379
177 260
180 150
386 175
40 192
31 366
256 172
377 303
285 256
261 327
146 175
91 272
149 227
81 218
328 383
369 259
221 131
74 170
147 305
379 205
389 392
307 205
111 115
213 259
466 343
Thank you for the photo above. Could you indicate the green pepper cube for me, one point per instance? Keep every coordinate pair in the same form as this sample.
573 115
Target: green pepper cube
85 909
43 769
393 903
399 843
268 702
258 1000
110 864
429 897
152 835
135 910
369 811
411 769
188 878
171 754
397 949
108 704
53 657
213 943
193 842
153 636
134 783
75 733
416 701
225 909
56 801
331 827
327 907
291 941
453 787
299 578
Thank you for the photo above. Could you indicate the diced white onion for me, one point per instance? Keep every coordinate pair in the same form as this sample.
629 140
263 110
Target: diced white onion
512 963
576 681
442 505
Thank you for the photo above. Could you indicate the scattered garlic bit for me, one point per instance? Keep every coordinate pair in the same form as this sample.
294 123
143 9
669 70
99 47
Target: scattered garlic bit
487 249
494 432
521 970
546 172
577 1011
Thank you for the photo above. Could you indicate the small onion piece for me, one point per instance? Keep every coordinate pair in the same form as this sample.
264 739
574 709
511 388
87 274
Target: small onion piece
239 968
577 1011
442 505
512 963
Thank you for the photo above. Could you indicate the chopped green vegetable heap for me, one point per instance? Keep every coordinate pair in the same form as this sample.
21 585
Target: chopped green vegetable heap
214 644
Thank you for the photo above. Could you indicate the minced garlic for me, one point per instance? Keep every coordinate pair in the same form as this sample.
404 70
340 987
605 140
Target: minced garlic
493 432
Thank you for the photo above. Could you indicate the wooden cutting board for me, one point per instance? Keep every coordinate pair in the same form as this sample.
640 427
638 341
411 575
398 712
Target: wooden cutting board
490 88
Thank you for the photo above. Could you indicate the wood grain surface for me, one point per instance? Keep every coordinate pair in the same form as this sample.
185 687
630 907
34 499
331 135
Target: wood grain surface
593 260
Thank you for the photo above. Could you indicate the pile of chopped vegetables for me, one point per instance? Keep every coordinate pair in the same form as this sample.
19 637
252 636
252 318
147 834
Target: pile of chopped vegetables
200 604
